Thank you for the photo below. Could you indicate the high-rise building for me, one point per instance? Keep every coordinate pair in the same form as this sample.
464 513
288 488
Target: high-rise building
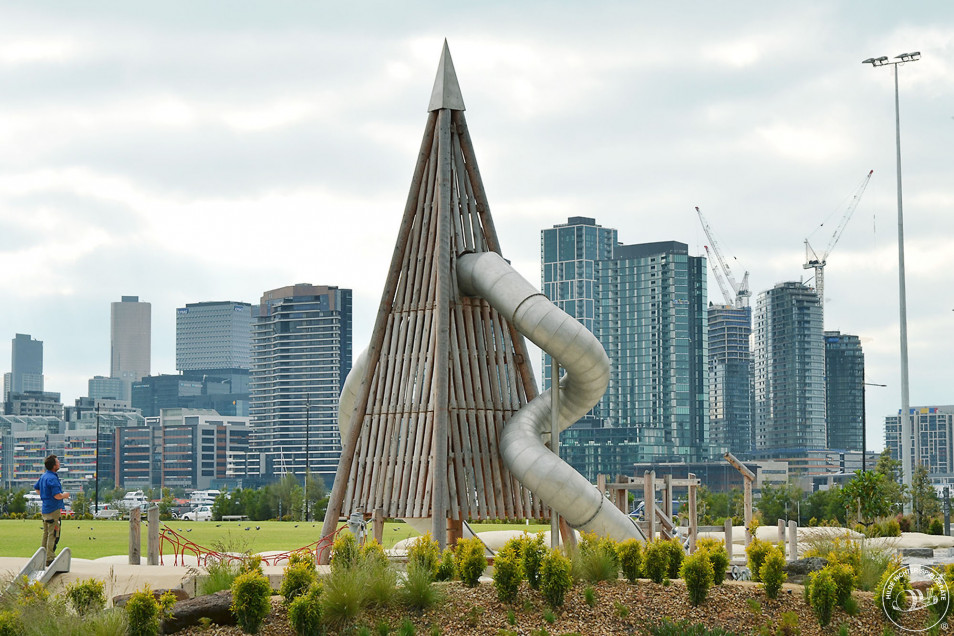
130 341
844 391
789 371
26 366
213 336
301 355
646 305
935 425
730 378
101 388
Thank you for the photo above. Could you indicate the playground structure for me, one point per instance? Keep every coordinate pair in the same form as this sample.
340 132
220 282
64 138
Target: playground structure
440 418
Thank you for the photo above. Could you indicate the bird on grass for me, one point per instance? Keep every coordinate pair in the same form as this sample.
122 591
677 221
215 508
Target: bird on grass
258 527
248 528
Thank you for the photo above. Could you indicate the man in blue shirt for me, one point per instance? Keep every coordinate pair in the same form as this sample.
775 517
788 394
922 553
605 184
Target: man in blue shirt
51 495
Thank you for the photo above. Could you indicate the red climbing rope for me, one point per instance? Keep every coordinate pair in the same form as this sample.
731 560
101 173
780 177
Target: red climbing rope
180 546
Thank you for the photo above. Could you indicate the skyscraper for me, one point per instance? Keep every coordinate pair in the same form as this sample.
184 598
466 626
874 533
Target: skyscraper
130 341
213 336
26 366
730 378
646 304
789 359
301 355
844 390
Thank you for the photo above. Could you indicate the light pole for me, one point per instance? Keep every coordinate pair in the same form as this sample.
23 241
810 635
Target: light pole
307 449
907 457
96 456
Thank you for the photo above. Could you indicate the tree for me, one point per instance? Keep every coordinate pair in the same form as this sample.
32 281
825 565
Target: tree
825 505
924 500
779 502
867 495
80 504
894 490
166 504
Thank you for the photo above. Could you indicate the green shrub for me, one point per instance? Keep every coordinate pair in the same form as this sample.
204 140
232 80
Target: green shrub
297 579
891 528
936 526
142 612
630 556
425 551
447 568
788 624
755 553
822 595
532 551
589 596
676 555
87 597
896 600
251 563
718 556
507 574
844 578
419 592
595 559
471 561
345 551
773 573
250 600
10 624
380 579
302 558
696 569
684 628
656 562
304 612
555 578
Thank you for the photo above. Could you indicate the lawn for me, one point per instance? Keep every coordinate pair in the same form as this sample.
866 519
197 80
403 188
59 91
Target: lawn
94 539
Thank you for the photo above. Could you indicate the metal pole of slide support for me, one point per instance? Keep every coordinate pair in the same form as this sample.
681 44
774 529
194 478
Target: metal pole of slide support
554 441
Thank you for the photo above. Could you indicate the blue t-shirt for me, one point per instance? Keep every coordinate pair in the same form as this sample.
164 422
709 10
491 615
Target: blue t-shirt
49 485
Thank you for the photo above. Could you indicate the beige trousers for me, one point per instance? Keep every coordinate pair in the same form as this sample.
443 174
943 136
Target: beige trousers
51 534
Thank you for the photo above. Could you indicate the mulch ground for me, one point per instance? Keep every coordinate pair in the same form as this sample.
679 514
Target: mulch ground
619 608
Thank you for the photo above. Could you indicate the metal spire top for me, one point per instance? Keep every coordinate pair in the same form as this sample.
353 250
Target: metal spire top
446 93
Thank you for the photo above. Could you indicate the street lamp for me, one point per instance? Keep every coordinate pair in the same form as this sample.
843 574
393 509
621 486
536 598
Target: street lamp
307 449
96 455
907 432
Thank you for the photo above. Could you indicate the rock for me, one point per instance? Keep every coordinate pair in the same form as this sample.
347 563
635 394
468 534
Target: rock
179 593
924 553
189 612
803 567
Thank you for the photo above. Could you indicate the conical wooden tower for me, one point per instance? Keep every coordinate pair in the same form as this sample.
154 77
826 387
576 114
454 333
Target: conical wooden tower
444 372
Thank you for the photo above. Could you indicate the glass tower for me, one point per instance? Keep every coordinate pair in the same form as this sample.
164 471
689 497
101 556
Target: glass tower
646 305
844 390
789 360
214 335
730 378
301 355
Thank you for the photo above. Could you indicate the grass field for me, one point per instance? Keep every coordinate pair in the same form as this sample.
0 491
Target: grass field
94 539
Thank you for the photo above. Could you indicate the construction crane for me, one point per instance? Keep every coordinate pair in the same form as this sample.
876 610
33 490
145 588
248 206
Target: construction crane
739 296
818 262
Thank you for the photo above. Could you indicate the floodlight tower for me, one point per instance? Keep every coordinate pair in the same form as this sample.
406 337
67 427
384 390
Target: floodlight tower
907 430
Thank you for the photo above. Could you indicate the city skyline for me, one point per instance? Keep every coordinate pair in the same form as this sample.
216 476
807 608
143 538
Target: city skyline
149 167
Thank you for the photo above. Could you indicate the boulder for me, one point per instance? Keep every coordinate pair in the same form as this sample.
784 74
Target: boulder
179 593
923 553
799 570
188 613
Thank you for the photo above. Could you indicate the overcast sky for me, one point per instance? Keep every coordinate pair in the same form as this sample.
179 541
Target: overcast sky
188 152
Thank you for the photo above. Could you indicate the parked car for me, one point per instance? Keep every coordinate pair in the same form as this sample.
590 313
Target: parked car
201 513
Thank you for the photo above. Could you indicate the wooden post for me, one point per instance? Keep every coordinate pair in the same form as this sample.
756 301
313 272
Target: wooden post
455 531
781 534
377 525
439 471
135 523
793 540
728 537
693 515
152 536
568 535
649 503
667 495
747 503
601 484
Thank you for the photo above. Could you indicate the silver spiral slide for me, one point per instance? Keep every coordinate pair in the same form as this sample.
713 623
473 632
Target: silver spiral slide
488 276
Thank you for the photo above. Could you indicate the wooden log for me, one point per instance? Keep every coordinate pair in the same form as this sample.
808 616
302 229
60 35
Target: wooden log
649 503
135 538
728 537
747 509
333 511
152 536
377 525
693 516
793 540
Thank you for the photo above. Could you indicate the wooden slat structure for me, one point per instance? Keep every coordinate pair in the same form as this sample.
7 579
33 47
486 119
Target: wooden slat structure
445 372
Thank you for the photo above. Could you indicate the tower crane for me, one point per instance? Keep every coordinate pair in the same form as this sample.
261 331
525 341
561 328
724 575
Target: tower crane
739 296
818 262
